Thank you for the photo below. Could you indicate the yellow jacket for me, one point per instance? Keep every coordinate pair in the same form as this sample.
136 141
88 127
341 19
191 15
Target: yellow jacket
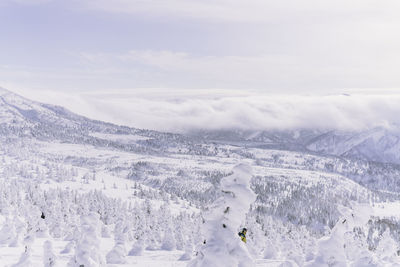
242 235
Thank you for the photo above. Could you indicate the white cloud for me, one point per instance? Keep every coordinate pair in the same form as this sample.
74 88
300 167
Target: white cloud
308 70
251 10
185 110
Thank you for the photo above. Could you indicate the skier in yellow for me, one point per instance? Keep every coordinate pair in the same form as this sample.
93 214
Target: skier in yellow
242 234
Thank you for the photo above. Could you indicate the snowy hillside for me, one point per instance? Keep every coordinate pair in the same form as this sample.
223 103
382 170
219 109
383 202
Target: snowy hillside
77 191
380 144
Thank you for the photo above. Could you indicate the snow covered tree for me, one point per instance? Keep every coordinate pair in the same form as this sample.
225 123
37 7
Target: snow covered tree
168 242
49 258
165 221
188 253
332 249
270 251
68 247
105 232
137 248
7 233
87 250
387 249
223 247
118 253
25 259
20 228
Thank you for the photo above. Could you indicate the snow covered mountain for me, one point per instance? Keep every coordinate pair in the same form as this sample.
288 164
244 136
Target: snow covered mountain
23 116
145 191
380 144
21 113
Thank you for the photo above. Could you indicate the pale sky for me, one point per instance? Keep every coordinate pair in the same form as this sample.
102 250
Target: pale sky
265 45
81 48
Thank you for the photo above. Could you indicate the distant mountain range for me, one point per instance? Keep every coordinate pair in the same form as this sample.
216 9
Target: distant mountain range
377 144
21 116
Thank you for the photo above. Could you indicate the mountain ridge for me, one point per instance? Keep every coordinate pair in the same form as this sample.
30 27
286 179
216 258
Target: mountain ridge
382 144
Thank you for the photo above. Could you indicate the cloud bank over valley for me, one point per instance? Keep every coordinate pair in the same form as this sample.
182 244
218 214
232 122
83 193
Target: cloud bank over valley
190 110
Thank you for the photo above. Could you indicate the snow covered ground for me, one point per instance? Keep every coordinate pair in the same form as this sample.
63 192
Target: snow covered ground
98 171
11 255
129 197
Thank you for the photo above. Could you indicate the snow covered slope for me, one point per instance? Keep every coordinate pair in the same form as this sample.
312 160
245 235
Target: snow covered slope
139 193
378 144
381 144
24 117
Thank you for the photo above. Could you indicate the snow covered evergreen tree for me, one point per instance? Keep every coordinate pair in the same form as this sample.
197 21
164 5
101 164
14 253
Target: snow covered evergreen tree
137 248
20 228
49 258
7 232
387 249
25 259
68 247
87 250
332 249
118 253
223 247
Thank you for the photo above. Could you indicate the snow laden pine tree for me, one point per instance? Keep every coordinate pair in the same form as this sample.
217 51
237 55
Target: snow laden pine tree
87 251
223 247
49 258
331 250
118 253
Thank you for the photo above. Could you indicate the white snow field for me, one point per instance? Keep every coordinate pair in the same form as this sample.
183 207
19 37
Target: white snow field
74 191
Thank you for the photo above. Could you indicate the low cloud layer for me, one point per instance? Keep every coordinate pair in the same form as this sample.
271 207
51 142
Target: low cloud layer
182 111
